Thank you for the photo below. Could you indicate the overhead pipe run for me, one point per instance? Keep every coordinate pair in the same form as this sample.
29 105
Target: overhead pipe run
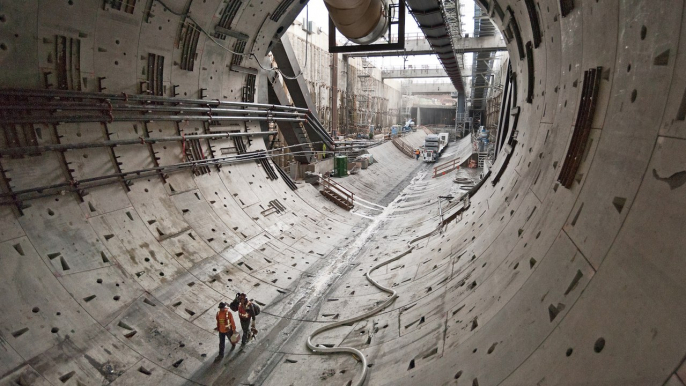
108 118
21 196
361 21
62 106
79 95
29 150
142 108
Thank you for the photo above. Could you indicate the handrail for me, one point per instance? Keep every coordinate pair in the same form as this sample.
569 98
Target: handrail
409 36
467 69
139 98
446 167
424 81
346 194
403 147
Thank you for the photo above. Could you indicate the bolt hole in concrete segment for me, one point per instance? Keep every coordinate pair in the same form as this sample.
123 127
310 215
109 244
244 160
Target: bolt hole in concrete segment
334 266
351 254
346 256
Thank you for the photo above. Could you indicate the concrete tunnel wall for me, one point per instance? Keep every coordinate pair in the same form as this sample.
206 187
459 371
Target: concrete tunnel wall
533 284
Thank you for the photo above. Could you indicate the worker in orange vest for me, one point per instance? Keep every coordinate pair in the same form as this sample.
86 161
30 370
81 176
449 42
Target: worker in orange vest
226 328
416 154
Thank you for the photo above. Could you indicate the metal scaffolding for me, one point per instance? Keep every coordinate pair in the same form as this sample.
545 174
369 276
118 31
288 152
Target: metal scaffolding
367 96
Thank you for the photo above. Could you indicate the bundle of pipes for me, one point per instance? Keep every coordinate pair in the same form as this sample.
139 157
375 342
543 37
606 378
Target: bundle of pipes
19 107
58 94
317 126
63 106
32 150
69 107
361 21
19 197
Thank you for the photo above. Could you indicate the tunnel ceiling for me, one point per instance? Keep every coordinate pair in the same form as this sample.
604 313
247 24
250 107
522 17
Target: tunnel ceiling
565 267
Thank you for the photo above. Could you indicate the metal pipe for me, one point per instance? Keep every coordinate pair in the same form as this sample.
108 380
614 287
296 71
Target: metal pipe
361 21
139 118
126 175
135 97
66 186
317 126
440 208
144 108
93 182
122 142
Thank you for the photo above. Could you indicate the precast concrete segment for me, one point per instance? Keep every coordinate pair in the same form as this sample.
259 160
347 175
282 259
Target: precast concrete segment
317 349
337 299
532 283
379 182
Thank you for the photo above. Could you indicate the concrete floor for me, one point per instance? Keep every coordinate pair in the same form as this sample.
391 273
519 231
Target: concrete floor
531 284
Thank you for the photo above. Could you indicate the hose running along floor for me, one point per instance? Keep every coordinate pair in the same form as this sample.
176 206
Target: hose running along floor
133 202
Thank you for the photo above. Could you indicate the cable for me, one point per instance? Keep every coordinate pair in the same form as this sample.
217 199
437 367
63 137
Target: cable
248 54
307 35
187 15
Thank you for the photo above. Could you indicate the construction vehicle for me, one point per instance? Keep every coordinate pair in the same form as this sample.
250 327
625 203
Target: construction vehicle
434 145
409 126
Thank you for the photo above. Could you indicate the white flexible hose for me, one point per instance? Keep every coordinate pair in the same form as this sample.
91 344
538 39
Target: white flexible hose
317 349
331 350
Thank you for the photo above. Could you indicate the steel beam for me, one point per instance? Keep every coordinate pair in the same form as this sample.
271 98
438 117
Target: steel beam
421 46
297 88
293 133
428 88
414 73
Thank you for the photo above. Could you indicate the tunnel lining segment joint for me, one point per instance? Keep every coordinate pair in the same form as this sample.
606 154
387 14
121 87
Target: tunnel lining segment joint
319 349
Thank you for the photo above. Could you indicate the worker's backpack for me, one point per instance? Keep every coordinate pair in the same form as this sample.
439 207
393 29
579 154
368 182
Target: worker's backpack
255 309
234 305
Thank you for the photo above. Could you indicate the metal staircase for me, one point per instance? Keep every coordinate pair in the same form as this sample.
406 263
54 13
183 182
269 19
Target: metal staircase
337 194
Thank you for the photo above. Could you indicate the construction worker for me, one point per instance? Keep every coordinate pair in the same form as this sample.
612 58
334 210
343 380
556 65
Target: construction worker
246 313
226 327
416 154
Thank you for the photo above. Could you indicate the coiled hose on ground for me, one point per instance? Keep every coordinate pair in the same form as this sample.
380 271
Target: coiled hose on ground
349 350
317 349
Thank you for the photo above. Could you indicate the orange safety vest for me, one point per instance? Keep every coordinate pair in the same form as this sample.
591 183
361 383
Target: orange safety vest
224 320
243 311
